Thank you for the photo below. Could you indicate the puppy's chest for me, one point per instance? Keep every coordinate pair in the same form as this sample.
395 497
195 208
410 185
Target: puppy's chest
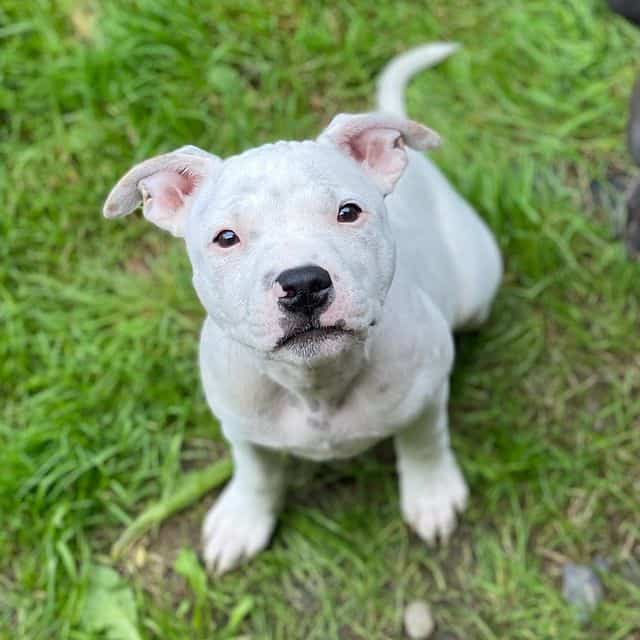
321 430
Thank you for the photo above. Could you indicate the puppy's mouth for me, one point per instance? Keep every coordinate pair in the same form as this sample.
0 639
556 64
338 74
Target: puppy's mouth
311 333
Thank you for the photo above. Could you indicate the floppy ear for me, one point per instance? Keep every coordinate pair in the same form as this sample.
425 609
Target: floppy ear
165 185
376 141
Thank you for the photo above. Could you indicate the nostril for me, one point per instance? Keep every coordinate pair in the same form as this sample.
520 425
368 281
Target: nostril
319 284
289 291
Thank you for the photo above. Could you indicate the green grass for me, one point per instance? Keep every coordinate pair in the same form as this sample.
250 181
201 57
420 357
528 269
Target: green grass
101 406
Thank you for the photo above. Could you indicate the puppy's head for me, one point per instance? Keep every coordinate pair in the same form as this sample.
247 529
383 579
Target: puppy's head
290 245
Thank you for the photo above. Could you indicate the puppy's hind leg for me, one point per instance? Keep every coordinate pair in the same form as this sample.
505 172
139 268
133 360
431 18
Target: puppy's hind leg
432 488
478 264
480 274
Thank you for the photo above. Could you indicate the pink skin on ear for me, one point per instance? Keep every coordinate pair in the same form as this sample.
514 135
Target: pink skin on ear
163 193
163 196
382 155
166 184
376 141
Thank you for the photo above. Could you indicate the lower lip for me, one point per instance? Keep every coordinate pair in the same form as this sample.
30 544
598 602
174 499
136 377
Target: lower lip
319 333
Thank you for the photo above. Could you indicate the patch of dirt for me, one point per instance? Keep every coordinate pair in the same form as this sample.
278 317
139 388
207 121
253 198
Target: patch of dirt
198 453
150 561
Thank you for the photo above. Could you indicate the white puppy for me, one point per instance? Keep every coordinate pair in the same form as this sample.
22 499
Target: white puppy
333 272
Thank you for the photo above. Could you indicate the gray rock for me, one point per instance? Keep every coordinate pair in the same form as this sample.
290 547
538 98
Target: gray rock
602 564
581 588
418 621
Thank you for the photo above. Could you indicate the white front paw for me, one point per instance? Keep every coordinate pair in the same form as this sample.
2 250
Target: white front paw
431 496
236 528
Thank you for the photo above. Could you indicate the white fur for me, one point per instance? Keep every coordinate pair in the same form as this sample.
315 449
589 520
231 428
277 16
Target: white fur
418 264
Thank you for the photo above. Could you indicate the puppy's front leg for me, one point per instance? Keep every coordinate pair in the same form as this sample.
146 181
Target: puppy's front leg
432 488
241 522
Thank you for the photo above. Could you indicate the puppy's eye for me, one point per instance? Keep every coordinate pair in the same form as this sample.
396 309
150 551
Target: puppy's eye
349 212
226 239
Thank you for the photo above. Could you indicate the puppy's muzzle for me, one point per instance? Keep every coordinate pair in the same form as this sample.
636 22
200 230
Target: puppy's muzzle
306 289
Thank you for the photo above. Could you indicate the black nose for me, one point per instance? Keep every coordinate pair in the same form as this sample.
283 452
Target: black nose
305 288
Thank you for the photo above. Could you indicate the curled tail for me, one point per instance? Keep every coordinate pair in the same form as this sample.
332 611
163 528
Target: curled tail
395 76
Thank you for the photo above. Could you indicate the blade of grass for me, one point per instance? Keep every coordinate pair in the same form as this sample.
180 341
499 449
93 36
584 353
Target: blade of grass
192 487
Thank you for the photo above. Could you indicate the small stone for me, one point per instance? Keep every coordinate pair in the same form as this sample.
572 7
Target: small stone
418 621
601 564
581 588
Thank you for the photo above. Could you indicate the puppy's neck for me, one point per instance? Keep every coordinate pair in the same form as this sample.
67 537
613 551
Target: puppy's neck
326 381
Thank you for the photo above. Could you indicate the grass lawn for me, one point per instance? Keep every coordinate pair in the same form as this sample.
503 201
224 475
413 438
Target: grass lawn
101 405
